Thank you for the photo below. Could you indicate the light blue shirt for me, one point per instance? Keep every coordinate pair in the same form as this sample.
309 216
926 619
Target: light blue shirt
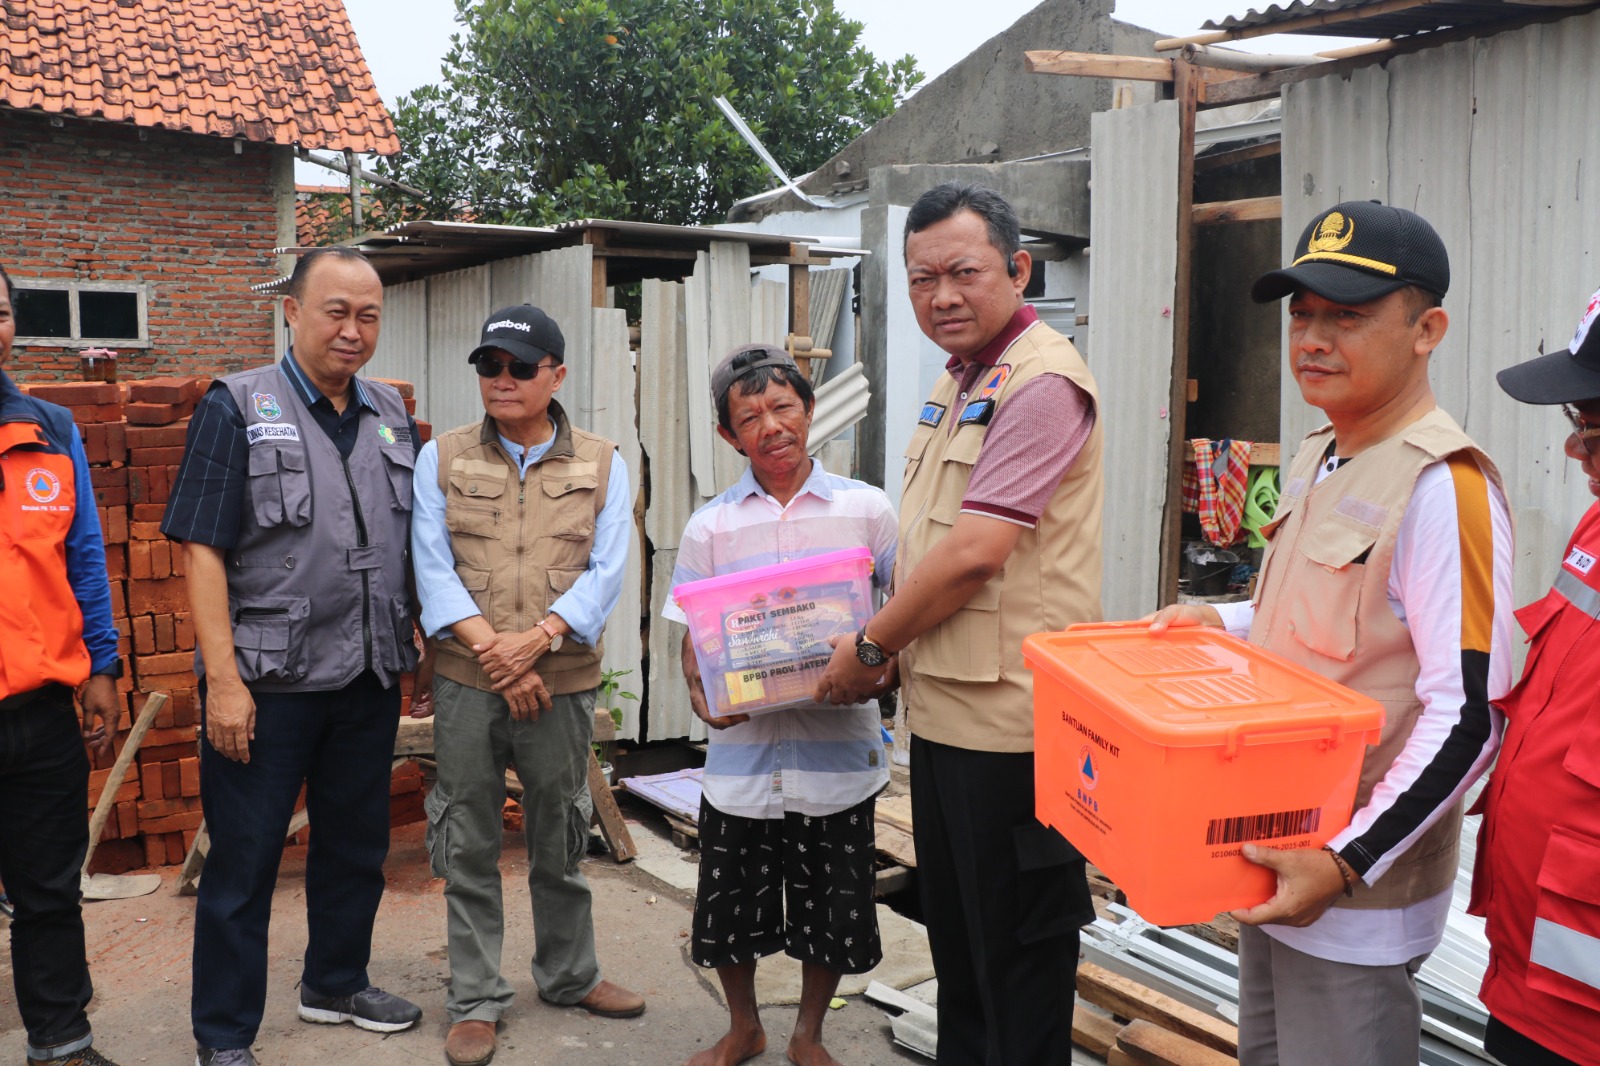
584 607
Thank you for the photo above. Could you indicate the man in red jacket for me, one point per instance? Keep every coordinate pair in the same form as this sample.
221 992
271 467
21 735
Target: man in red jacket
1537 879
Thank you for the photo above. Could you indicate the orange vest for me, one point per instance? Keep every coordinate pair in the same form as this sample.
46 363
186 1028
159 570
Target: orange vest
41 628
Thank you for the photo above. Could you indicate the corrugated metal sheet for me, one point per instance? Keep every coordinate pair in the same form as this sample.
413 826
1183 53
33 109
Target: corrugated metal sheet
1424 18
1134 167
402 350
458 304
1494 142
841 403
615 418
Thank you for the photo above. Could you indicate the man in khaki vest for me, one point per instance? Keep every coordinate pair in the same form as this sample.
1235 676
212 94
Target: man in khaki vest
999 538
520 535
1388 569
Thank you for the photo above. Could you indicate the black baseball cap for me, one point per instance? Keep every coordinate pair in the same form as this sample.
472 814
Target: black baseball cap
1569 376
723 377
1359 251
525 331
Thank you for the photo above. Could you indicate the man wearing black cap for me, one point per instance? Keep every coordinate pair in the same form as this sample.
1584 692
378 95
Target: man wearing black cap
1538 857
521 537
1388 569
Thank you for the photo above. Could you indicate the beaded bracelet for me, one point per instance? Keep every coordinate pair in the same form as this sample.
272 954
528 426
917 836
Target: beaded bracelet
1345 872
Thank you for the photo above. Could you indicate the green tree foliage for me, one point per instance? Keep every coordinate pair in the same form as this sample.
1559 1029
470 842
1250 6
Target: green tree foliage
562 109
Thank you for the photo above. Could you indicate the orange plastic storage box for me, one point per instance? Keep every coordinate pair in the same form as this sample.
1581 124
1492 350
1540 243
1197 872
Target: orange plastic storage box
1158 757
761 635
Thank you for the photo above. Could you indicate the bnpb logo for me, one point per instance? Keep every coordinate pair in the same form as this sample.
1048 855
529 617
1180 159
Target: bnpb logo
1088 772
42 485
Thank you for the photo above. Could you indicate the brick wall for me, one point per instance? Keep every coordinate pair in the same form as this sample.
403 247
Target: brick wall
182 213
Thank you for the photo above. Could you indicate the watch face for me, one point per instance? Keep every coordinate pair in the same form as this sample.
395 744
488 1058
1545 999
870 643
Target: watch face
869 653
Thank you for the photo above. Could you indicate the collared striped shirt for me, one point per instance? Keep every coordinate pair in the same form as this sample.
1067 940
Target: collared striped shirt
209 493
807 760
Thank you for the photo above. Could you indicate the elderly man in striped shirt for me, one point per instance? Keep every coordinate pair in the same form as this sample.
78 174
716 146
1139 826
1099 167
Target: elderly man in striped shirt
780 787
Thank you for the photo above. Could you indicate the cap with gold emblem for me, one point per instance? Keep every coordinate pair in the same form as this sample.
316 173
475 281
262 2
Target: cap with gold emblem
1359 251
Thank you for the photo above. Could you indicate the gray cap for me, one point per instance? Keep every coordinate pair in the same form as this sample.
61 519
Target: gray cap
723 377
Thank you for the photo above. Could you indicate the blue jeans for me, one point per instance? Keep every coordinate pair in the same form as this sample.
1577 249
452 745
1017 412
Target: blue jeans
339 745
44 834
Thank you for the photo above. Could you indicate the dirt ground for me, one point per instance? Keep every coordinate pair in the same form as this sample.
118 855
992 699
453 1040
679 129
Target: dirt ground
139 954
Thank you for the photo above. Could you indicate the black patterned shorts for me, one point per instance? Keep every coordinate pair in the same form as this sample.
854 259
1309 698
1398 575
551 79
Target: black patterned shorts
817 867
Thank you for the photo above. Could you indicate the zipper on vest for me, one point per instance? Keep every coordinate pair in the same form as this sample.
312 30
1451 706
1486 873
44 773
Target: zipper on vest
366 575
522 517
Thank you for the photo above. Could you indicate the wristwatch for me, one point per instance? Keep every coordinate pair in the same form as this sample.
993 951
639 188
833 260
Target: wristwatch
114 670
870 653
556 639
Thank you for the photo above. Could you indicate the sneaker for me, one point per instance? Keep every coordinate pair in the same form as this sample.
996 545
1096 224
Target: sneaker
83 1057
372 1009
238 1056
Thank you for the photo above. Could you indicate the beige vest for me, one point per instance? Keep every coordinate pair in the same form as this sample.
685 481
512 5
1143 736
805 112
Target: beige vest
1322 601
519 545
964 680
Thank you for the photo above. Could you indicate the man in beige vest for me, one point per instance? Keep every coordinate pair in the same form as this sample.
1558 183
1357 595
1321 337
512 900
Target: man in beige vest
1388 569
520 536
999 538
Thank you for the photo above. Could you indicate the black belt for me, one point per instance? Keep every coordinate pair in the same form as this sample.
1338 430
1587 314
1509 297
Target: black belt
25 699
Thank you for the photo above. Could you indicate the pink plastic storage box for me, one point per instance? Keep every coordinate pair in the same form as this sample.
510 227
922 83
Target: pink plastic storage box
761 635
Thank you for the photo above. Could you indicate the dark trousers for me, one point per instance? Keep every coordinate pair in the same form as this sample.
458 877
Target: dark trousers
339 745
1003 898
44 834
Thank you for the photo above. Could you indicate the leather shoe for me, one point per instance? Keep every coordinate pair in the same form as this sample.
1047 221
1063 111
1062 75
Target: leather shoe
612 1001
470 1043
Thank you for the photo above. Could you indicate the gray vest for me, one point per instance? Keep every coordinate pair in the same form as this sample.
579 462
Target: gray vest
315 603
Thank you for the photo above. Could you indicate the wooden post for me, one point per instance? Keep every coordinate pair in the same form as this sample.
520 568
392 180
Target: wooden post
800 299
597 278
1186 90
354 174
612 827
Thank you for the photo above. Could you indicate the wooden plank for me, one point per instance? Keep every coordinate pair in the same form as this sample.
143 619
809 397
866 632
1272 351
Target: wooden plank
1126 998
1098 65
1262 453
728 326
1186 91
890 880
612 827
415 737
1096 1033
1252 209
1118 1057
1238 155
1294 25
897 844
1150 1045
604 728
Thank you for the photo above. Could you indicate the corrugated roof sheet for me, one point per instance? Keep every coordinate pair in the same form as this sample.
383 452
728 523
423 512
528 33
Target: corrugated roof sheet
1424 18
280 71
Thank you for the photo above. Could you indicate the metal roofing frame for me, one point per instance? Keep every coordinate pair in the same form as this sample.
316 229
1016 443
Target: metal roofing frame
1426 17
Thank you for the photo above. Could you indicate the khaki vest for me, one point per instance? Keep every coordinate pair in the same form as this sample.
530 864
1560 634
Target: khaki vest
964 680
519 545
1322 602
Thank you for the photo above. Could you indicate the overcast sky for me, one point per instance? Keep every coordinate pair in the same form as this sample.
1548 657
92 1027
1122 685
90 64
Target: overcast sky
404 40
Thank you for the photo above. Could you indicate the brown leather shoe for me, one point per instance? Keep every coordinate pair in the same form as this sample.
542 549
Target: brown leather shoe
612 1001
470 1043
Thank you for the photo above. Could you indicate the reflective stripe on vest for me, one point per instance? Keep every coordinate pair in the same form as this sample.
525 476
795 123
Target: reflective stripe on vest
1566 951
1578 594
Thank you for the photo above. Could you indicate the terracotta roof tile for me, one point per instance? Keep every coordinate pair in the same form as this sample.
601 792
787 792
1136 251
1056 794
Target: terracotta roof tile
286 71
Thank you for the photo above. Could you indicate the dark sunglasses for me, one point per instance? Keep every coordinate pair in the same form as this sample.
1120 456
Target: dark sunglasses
1586 434
520 371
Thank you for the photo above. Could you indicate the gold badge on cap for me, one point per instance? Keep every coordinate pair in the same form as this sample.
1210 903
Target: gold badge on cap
1333 234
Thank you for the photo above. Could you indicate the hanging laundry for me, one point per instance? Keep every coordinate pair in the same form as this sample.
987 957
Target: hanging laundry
1214 487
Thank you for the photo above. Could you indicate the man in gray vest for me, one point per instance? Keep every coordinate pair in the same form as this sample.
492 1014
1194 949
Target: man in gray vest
521 538
294 505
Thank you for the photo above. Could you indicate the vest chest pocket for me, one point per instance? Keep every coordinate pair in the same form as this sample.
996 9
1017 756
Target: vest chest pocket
280 487
1325 605
269 638
569 503
915 447
1563 962
399 463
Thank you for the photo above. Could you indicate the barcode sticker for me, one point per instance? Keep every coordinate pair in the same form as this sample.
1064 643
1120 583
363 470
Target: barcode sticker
1263 826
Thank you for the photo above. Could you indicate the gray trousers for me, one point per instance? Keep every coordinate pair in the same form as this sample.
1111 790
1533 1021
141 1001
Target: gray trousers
1299 1010
475 740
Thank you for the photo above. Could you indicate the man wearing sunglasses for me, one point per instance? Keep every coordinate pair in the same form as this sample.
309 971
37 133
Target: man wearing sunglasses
1538 857
520 536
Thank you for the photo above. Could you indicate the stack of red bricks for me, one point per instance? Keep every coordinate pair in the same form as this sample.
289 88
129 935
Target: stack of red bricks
134 438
